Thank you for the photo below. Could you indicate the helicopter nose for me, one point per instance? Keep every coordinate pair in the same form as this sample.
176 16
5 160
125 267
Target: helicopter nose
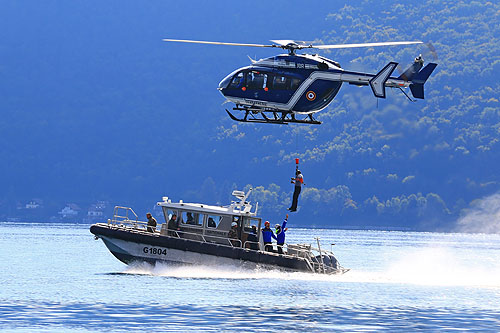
224 83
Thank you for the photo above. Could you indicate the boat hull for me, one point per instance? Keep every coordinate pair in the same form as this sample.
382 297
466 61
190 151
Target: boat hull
129 245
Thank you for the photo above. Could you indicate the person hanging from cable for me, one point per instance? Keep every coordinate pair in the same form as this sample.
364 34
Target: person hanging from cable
298 180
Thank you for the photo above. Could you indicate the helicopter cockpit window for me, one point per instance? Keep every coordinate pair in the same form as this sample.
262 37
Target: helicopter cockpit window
256 80
236 81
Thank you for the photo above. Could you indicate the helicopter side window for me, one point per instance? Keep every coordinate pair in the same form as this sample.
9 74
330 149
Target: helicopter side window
236 81
295 83
256 80
280 82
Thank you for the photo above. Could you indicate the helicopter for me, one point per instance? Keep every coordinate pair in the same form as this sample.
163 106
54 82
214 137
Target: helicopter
291 88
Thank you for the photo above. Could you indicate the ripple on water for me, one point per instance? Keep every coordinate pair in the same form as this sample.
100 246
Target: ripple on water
249 318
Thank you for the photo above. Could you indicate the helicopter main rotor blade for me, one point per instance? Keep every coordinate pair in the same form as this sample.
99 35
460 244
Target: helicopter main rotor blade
347 46
217 43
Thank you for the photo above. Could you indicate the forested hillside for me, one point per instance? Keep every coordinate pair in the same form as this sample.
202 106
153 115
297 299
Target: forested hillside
95 107
398 163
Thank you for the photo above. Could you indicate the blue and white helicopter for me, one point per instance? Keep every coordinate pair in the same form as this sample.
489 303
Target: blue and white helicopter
290 88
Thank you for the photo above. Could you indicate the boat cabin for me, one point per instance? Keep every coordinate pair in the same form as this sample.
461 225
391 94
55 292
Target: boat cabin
212 223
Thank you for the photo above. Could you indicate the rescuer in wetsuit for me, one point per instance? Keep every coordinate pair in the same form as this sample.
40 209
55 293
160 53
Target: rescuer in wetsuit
267 236
298 181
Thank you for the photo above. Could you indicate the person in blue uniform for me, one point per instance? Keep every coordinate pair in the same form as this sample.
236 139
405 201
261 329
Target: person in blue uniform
280 234
267 237
298 181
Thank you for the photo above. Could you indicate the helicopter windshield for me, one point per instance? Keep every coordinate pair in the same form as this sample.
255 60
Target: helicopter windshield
225 82
237 81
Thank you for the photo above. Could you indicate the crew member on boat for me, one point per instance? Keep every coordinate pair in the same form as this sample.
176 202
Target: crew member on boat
267 236
151 223
280 235
173 226
233 234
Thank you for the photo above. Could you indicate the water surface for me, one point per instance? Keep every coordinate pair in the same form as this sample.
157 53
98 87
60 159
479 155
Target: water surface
56 277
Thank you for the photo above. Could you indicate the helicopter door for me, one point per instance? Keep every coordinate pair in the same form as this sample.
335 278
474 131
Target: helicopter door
256 85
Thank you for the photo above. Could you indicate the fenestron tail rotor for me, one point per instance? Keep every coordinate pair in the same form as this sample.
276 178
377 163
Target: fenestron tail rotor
429 55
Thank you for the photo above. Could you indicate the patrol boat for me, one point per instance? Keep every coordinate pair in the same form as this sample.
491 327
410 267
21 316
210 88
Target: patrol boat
201 237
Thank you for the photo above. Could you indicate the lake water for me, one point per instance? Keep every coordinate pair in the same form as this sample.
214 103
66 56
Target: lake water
56 277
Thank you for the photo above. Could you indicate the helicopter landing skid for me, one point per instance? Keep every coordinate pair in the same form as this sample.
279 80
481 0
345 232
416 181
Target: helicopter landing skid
271 117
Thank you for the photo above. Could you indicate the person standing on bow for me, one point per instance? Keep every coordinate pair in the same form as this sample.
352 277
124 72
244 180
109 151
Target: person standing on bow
267 237
280 234
298 181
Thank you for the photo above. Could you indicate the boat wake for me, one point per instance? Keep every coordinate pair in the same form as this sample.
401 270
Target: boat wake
433 266
428 266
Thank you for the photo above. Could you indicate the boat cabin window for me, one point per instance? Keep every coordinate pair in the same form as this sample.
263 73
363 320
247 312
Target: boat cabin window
248 222
191 218
237 220
168 213
256 80
213 221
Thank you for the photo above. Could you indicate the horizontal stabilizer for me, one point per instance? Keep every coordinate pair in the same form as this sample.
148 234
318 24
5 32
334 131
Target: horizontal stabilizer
377 83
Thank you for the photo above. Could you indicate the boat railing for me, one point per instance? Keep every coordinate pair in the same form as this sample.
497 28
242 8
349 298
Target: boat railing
248 245
314 256
126 217
232 242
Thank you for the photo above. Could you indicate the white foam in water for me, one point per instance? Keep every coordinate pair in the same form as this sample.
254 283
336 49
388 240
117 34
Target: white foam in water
427 266
212 272
433 267
439 266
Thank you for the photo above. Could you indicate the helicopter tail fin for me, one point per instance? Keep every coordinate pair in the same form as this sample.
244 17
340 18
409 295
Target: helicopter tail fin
377 83
417 85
